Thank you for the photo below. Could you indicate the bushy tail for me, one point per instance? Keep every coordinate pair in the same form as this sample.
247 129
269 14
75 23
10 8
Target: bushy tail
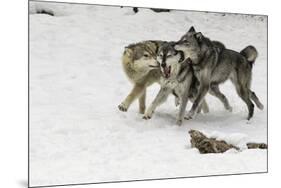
250 53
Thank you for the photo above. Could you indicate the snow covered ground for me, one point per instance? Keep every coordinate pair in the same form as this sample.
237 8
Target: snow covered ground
77 134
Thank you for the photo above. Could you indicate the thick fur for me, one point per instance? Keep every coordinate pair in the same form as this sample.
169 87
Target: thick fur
177 78
250 53
213 65
140 65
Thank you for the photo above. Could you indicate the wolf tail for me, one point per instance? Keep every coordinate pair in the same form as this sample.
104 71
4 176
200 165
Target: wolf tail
250 53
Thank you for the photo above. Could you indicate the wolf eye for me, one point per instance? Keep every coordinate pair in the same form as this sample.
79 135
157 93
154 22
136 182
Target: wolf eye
145 55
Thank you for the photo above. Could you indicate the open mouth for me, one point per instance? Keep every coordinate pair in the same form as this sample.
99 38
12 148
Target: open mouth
167 71
188 60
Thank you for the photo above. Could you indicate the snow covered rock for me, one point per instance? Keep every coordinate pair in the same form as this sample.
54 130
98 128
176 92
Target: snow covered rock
208 145
213 145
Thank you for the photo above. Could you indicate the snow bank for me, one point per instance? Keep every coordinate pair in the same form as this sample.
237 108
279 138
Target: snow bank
78 135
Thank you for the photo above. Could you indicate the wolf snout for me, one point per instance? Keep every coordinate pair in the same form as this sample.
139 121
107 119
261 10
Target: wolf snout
176 45
163 65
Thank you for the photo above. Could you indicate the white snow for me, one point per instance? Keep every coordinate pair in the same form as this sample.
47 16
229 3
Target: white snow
77 134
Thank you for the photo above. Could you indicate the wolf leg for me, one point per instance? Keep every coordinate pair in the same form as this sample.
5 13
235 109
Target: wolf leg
242 80
184 100
142 102
135 93
199 109
205 106
215 91
160 98
250 105
244 94
256 100
203 89
177 99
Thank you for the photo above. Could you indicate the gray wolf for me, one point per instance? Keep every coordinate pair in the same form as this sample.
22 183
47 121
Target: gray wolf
177 78
140 66
213 65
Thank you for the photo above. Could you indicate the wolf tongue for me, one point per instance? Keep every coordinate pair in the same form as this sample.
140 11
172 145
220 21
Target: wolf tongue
188 60
167 71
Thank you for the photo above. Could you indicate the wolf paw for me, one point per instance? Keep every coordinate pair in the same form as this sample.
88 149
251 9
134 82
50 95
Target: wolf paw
229 109
188 116
146 117
260 106
179 122
249 121
148 114
122 107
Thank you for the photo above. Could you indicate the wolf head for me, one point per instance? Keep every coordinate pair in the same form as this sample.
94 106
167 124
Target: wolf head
142 56
170 60
193 44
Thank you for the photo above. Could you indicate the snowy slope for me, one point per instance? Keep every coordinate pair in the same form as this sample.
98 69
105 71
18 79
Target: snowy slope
77 134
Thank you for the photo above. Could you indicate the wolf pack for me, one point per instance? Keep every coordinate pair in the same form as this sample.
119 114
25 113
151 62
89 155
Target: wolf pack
188 69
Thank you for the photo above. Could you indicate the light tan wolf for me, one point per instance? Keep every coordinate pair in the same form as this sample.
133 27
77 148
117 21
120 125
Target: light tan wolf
140 65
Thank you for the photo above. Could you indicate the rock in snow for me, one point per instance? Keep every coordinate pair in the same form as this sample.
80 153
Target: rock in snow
212 145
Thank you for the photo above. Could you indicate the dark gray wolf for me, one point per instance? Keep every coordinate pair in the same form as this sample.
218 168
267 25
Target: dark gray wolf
213 65
178 79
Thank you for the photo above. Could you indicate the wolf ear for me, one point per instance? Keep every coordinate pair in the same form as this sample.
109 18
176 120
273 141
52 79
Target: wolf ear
191 29
128 51
199 36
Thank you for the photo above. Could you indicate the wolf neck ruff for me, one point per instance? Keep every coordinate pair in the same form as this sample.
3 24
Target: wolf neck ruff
181 55
184 70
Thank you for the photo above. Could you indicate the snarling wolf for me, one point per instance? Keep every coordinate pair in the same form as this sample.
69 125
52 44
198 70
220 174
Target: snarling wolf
213 65
140 65
177 78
